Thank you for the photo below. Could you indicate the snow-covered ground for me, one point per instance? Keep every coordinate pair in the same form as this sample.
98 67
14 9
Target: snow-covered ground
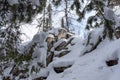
91 66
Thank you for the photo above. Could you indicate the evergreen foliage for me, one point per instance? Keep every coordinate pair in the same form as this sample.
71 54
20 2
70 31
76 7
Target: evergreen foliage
12 14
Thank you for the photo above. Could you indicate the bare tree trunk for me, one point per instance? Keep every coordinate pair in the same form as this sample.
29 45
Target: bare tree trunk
66 15
44 19
62 23
50 16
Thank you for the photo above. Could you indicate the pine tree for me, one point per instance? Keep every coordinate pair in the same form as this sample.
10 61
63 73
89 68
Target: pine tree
99 18
65 21
45 21
70 6
12 14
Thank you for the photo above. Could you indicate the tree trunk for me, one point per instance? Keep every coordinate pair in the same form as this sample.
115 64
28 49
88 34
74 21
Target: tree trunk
66 15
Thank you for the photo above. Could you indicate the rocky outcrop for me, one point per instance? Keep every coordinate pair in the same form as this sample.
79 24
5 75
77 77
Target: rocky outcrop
49 58
57 43
62 53
37 54
40 78
112 62
61 69
93 40
60 45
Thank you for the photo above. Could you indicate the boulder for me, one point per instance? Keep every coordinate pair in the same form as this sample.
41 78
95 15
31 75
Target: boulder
62 53
70 41
62 34
49 58
61 69
40 78
112 62
50 40
60 45
68 35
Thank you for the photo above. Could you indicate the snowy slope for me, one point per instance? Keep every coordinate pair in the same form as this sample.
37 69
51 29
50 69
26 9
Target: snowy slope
70 57
91 66
77 66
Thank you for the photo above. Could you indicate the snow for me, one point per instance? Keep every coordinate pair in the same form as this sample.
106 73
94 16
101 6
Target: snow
91 66
51 36
35 2
43 56
116 73
56 30
117 20
59 42
41 49
39 37
109 14
92 38
12 2
71 57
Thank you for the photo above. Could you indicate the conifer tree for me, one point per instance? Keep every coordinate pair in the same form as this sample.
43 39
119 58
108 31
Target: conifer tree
45 20
12 14
99 6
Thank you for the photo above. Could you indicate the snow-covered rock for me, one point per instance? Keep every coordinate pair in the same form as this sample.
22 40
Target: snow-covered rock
91 66
61 44
93 39
109 14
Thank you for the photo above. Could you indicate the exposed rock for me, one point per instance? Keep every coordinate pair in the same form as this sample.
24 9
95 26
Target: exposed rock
40 78
61 45
49 58
94 38
62 53
61 69
112 62
62 33
50 40
68 35
70 40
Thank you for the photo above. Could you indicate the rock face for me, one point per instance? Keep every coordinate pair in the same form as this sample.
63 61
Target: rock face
60 45
50 41
57 42
61 69
49 58
40 78
112 62
39 53
68 35
62 53
62 34
93 40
